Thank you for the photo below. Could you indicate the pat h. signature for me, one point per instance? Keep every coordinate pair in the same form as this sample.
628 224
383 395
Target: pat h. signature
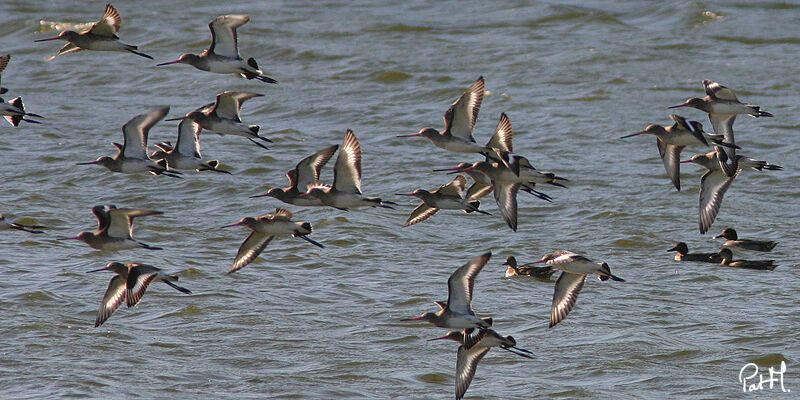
753 380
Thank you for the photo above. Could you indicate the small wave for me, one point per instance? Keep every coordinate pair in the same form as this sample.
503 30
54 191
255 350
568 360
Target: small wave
757 40
397 28
390 76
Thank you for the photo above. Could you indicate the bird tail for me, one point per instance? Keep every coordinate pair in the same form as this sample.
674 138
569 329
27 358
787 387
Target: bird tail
257 74
758 165
15 119
606 274
475 204
213 165
252 62
758 113
381 203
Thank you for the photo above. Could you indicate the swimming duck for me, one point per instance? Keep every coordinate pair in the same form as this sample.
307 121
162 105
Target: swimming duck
727 259
734 241
684 255
527 270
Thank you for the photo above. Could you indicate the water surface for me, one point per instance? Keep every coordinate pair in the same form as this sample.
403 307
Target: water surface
302 322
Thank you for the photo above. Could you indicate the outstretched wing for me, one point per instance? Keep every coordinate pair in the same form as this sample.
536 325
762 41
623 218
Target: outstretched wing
136 130
68 48
568 286
503 135
421 213
466 364
113 297
454 188
464 112
223 34
505 195
188 143
229 104
307 170
121 220
250 249
139 278
108 26
671 157
461 283
714 89
347 171
713 186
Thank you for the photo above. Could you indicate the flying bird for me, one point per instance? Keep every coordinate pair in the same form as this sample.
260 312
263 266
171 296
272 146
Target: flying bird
223 117
132 155
574 270
102 36
222 57
264 229
186 153
129 284
459 122
673 139
346 190
449 197
304 173
713 185
115 229
473 346
457 312
722 107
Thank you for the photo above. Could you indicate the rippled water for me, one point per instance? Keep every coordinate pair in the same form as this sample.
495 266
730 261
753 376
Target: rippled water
302 322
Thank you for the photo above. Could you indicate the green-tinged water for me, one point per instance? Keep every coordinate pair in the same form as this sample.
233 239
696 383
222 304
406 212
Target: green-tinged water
307 323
